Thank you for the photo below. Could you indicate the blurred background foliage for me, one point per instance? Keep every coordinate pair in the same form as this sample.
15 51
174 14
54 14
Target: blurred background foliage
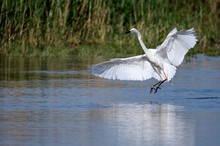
95 27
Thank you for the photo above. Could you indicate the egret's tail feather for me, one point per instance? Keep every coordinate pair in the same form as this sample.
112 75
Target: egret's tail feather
170 71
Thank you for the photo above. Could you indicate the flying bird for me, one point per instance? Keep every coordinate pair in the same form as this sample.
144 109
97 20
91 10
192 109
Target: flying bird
160 63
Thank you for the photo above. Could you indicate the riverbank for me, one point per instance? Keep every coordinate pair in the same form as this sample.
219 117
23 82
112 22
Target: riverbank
94 28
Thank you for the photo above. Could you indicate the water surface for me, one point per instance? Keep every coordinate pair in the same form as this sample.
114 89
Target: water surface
57 102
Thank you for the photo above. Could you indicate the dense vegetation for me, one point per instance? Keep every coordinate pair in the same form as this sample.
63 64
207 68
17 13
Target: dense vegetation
94 27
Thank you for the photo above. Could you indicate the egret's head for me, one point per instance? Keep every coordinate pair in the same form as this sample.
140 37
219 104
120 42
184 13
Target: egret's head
133 30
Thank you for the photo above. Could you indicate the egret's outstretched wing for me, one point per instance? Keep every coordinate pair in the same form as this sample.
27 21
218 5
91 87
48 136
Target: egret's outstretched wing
176 45
132 68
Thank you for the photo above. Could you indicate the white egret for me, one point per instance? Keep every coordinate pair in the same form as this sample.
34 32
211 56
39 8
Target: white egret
159 63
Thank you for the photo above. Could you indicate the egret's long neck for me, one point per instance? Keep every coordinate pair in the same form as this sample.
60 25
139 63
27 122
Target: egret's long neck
142 44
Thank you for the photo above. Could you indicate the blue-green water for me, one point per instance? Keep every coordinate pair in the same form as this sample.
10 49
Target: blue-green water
57 102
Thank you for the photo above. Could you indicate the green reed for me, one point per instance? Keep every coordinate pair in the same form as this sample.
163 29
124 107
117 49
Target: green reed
94 27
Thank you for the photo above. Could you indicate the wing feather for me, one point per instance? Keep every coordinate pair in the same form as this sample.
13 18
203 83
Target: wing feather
176 45
132 68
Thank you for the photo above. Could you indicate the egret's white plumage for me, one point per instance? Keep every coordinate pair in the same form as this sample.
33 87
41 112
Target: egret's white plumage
159 63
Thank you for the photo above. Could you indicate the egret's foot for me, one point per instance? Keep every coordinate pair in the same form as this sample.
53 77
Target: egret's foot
154 88
151 89
158 87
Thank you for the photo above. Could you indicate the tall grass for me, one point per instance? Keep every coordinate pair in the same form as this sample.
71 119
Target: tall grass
34 26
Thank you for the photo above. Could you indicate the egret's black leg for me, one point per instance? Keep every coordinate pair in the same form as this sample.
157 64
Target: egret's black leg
158 87
154 87
157 83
